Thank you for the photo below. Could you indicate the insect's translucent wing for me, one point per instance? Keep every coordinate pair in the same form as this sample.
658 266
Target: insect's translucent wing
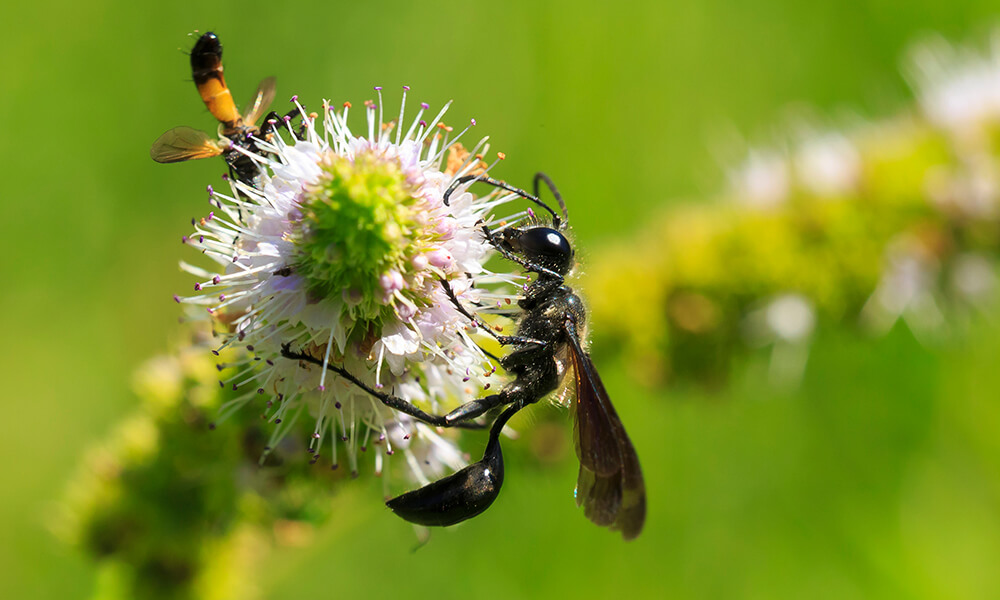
183 143
261 101
610 486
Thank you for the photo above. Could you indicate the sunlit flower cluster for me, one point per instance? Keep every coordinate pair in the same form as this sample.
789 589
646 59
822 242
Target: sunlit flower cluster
341 250
879 223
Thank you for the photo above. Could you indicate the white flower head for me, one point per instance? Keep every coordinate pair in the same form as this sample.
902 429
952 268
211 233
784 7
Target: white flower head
828 164
958 88
341 250
762 181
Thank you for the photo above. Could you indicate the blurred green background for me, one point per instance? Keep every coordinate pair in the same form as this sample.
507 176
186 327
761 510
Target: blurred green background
879 477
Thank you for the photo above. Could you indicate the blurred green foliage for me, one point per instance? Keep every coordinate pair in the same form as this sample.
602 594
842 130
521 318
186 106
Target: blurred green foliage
878 477
175 507
899 232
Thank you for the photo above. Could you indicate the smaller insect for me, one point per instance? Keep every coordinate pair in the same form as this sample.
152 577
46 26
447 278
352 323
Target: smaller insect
236 131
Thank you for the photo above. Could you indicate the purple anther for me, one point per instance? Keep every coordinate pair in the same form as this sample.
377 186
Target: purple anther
211 215
215 352
334 467
222 297
406 88
295 98
235 387
184 239
276 421
378 88
177 299
337 405
219 367
216 280
287 119
269 362
424 106
210 190
321 388
193 221
422 123
472 122
201 239
260 390
222 385
197 287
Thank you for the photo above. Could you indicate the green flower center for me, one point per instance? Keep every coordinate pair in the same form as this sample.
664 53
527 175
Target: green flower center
359 222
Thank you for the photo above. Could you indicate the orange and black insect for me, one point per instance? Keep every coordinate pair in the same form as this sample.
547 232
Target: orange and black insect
236 131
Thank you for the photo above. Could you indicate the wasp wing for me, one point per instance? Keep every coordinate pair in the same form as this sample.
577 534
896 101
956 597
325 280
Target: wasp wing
261 101
183 143
610 486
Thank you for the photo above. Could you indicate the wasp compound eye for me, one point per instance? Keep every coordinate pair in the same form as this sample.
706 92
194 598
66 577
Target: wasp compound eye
547 245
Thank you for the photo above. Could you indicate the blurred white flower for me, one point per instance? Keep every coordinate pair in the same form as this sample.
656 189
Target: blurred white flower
907 290
974 278
339 250
958 88
828 164
762 181
786 322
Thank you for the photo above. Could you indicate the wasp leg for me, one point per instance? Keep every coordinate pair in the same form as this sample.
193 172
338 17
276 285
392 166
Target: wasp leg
463 494
505 340
393 402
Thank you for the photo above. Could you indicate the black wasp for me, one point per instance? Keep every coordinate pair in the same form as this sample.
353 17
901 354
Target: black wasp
547 344
237 132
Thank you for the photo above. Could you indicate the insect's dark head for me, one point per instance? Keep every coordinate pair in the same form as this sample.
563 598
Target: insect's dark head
207 52
540 245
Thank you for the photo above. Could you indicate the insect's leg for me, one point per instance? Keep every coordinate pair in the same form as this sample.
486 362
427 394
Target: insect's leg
270 124
463 494
503 186
505 340
393 402
540 177
528 265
